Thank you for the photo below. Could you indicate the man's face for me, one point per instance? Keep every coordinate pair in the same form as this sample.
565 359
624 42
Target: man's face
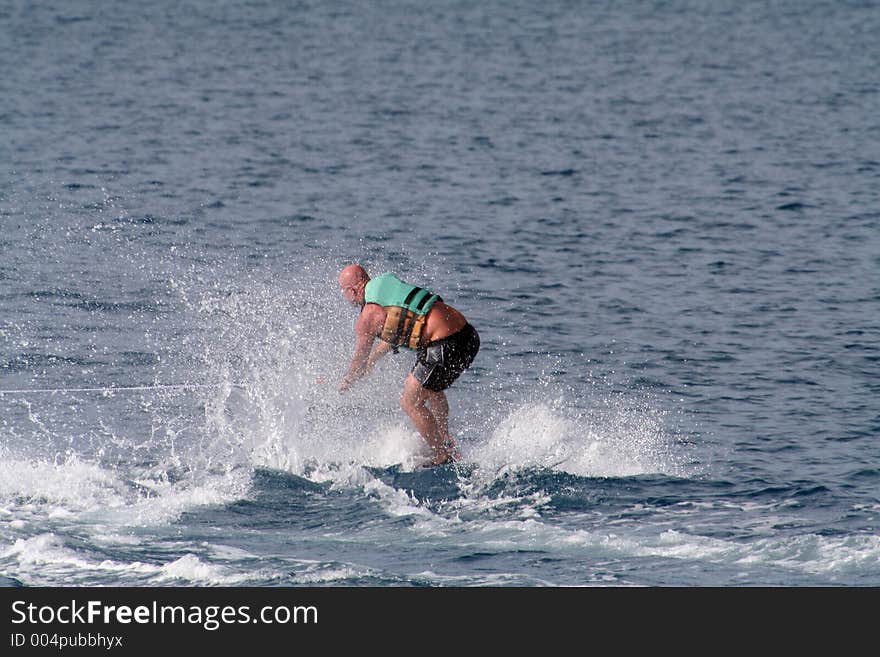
352 294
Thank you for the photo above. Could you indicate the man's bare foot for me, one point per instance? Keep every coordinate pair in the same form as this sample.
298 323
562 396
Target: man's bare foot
448 453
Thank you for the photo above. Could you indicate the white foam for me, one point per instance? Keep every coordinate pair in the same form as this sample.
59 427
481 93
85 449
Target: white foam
610 442
324 574
389 443
116 539
192 569
807 553
77 490
46 558
399 503
470 526
175 498
60 486
530 436
493 579
825 555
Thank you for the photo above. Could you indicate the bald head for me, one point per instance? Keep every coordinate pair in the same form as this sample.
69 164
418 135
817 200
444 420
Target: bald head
353 275
352 280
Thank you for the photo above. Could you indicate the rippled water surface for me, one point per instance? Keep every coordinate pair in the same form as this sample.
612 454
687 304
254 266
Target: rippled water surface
662 217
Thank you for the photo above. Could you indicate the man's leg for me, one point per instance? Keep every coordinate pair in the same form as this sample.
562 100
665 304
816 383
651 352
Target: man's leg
431 423
439 406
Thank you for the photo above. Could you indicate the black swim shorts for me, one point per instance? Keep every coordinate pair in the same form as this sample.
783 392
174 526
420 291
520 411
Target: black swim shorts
441 362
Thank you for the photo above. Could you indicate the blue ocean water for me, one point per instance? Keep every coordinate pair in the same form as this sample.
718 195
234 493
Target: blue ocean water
662 217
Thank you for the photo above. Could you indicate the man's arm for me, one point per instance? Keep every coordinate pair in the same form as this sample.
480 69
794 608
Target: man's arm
379 350
358 365
366 334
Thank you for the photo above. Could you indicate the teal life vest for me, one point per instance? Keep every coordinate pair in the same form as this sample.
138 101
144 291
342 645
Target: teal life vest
406 309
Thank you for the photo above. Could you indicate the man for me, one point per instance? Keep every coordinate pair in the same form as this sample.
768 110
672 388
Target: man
403 315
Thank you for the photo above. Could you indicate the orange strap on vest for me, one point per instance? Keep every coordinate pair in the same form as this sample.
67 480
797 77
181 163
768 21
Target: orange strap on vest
402 328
